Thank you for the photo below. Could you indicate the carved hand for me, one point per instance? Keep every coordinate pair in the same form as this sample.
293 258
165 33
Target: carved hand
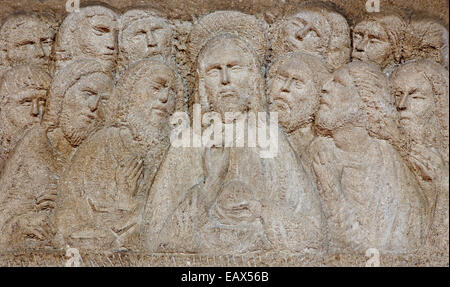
46 200
34 225
215 163
127 176
427 161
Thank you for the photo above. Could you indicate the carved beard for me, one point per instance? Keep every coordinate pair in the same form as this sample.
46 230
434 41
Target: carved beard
151 139
10 134
75 133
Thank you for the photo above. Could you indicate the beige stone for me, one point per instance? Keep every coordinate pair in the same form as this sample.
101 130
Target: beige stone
91 171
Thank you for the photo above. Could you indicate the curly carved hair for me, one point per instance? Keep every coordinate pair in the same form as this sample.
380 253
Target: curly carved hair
438 78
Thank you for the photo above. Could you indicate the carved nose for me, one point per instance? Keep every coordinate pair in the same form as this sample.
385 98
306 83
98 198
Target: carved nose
361 46
164 96
93 103
286 86
302 32
402 104
35 111
151 40
225 77
39 50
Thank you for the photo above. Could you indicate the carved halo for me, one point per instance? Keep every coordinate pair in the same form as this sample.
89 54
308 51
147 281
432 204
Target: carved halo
235 23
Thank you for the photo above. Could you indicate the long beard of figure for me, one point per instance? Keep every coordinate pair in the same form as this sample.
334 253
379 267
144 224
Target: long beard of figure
152 141
10 135
75 133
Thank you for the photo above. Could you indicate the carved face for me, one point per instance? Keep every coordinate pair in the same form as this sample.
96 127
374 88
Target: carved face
153 99
79 115
292 95
227 77
339 102
307 31
25 107
145 38
30 43
97 36
371 43
414 100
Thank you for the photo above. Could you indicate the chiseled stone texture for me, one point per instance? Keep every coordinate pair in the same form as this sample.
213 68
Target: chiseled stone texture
89 174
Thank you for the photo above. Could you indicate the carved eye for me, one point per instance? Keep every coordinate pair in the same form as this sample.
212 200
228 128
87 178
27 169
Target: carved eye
234 67
26 43
100 30
140 33
26 102
46 41
213 71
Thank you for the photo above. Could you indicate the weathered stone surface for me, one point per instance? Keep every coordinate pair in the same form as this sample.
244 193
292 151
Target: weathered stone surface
110 116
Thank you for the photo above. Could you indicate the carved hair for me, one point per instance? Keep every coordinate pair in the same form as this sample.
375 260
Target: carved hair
258 98
337 50
13 23
123 93
394 25
65 47
22 77
64 80
438 78
128 18
246 27
378 103
14 81
311 64
426 37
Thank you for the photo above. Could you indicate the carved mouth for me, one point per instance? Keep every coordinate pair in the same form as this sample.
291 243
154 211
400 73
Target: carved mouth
227 94
90 117
159 110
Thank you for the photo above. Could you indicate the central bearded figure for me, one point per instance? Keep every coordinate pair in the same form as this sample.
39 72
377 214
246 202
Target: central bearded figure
243 203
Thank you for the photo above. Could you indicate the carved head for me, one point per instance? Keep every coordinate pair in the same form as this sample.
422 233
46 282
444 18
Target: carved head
228 73
27 39
90 33
149 92
316 29
227 49
426 37
295 82
358 94
378 39
78 91
23 93
421 96
143 34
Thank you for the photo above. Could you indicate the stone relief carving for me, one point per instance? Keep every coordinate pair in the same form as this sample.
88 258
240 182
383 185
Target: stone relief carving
86 158
295 83
369 194
143 34
421 91
244 203
29 181
426 37
378 39
90 33
317 29
23 93
111 203
26 39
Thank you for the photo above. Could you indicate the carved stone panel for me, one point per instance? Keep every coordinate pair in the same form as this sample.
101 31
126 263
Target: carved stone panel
280 133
